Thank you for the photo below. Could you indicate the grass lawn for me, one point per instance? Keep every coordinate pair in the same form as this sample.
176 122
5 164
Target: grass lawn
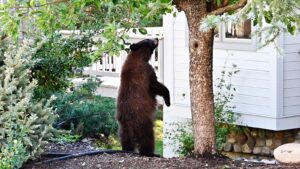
113 142
159 137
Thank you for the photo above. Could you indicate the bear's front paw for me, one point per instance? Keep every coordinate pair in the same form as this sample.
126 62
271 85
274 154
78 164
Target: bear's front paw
168 103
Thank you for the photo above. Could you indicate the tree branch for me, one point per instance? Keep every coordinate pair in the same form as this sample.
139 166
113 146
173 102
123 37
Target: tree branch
229 8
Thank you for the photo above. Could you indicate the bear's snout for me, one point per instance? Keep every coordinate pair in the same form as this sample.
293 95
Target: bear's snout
156 41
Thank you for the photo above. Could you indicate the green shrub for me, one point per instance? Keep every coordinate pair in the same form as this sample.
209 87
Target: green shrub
158 133
25 125
57 59
110 142
84 113
182 136
224 115
66 138
159 114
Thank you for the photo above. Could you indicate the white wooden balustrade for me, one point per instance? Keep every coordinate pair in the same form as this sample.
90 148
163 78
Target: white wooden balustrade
111 65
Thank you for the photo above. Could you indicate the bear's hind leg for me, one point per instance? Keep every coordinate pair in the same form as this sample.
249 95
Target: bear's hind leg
126 139
146 140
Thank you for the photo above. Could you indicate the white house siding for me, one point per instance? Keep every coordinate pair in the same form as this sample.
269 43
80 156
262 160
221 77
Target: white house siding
267 87
291 75
253 83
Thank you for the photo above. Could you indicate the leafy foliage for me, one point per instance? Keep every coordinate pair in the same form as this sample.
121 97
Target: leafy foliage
110 19
84 113
158 133
182 137
224 115
159 114
269 16
25 125
57 59
110 142
66 138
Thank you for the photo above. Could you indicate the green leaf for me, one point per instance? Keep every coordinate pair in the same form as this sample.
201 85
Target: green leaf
291 29
143 31
115 1
174 14
268 16
219 2
134 30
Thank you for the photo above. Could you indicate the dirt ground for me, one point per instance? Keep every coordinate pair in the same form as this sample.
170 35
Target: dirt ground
134 161
129 161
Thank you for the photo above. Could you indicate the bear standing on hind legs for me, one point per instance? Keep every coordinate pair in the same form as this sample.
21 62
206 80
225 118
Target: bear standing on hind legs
136 101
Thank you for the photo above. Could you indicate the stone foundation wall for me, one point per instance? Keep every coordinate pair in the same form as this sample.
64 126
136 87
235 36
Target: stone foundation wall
259 141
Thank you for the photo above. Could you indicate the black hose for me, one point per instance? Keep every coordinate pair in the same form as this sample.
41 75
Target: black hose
55 154
83 154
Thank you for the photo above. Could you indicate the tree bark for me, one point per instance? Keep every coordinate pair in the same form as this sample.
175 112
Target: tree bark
201 86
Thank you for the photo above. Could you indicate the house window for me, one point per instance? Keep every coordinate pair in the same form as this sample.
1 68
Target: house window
235 36
241 30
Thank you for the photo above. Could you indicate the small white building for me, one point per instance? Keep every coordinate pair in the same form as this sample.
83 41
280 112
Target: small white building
267 87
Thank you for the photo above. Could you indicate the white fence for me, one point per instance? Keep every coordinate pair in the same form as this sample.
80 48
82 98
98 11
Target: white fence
112 65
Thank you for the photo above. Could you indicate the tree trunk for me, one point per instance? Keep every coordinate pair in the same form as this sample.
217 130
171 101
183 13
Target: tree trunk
201 87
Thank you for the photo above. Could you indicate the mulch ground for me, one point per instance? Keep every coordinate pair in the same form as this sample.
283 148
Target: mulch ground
132 161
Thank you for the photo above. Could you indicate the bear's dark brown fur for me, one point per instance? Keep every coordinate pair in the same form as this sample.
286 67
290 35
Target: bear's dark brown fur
136 101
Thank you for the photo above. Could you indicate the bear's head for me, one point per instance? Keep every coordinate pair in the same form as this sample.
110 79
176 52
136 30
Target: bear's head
146 46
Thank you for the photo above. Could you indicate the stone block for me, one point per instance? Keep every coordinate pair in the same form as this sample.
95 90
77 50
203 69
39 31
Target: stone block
276 143
241 138
272 152
237 147
273 143
231 140
266 151
254 133
269 134
246 148
297 141
261 133
288 140
269 142
288 134
260 142
279 135
297 137
257 150
227 147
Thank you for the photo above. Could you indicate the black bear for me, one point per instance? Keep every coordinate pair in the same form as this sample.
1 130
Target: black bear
136 102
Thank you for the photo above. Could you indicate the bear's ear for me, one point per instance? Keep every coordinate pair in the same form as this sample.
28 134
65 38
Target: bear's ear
134 47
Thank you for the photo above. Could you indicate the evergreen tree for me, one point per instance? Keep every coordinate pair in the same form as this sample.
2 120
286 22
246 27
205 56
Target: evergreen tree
25 125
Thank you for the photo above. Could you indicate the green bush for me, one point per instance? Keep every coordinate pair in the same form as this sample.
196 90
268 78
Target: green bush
159 114
66 138
224 115
84 113
57 60
182 136
25 124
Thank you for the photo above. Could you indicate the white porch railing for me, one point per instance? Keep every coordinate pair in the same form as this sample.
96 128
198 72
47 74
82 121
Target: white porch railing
112 65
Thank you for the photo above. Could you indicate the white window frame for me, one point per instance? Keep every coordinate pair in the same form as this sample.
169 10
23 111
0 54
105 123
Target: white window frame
235 43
